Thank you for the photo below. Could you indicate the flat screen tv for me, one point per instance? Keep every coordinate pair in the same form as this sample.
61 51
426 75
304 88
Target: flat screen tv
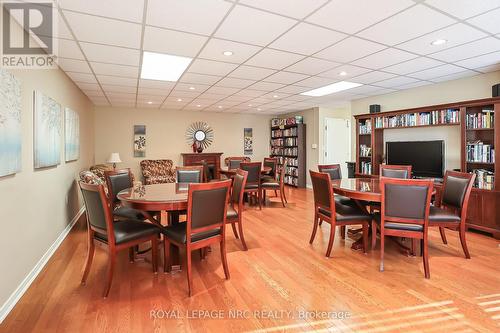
425 157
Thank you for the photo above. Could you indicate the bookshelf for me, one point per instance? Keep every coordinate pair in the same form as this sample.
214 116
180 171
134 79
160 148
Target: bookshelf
288 143
479 137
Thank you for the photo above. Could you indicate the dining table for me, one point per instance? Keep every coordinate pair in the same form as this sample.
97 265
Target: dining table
231 172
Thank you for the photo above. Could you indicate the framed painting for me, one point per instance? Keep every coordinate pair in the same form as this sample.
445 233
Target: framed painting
71 135
248 141
139 140
47 126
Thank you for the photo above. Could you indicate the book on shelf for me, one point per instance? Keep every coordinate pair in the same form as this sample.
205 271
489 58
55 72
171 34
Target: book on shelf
279 133
437 117
366 127
365 151
479 152
485 119
366 168
485 179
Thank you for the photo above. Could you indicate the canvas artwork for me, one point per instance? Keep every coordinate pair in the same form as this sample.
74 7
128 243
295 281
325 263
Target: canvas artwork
10 124
48 131
248 141
139 140
71 135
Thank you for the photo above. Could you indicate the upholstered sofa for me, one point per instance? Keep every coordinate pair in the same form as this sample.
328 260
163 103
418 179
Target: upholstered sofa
157 171
236 158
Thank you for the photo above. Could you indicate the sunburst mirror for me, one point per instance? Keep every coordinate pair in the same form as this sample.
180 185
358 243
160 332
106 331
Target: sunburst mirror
199 135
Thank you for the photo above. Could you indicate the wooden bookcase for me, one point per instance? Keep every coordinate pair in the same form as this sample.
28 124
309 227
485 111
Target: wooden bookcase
484 204
288 142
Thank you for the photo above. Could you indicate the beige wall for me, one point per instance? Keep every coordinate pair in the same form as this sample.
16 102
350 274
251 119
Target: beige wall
474 87
165 130
37 205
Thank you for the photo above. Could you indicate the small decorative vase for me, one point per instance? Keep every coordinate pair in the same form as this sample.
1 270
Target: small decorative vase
199 149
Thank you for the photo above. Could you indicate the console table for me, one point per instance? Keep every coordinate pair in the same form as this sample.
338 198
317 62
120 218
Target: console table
212 159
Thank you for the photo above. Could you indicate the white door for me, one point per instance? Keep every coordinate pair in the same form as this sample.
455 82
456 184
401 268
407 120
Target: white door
337 139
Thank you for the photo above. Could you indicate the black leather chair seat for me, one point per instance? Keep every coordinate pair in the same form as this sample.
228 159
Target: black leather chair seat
271 185
400 226
437 214
128 213
267 178
129 230
231 213
343 200
347 213
251 186
177 232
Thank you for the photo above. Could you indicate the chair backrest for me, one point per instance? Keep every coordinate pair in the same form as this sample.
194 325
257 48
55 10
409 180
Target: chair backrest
189 174
332 169
282 174
406 200
395 171
206 171
237 158
234 164
207 206
271 162
254 169
99 170
323 191
117 180
239 182
457 187
98 211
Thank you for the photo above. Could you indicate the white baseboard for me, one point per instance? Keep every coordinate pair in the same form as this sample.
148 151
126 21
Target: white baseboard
26 283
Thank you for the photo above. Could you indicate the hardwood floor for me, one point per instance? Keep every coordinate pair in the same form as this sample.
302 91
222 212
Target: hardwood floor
272 284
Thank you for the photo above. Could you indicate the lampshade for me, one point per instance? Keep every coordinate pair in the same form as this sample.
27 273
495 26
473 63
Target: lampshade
114 158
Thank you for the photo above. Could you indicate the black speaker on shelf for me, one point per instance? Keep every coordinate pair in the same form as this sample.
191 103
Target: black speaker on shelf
495 90
374 108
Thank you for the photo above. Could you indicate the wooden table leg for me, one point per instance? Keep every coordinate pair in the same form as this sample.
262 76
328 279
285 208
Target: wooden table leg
174 250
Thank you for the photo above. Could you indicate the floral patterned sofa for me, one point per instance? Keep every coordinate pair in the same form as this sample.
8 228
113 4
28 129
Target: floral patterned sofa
157 171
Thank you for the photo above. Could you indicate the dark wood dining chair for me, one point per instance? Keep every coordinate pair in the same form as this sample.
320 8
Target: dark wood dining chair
253 186
189 174
335 173
235 207
116 181
205 225
271 162
395 171
275 185
454 201
237 160
117 236
404 213
326 209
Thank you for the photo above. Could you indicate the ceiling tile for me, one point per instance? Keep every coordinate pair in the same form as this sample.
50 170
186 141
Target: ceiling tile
110 54
71 65
153 91
487 21
116 80
94 93
215 48
487 69
384 58
479 47
307 39
184 94
198 88
481 61
414 85
437 72
455 76
285 77
123 104
266 86
251 73
240 25
463 8
273 59
234 82
349 70
395 82
199 78
298 9
372 77
249 93
455 35
68 49
196 16
156 84
297 98
312 66
129 10
350 49
211 96
365 89
210 67
120 96
222 90
172 42
95 29
88 86
413 65
354 15
292 90
82 77
407 25
116 70
315 82
119 89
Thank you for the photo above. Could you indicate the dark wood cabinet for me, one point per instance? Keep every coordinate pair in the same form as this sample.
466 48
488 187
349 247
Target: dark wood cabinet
212 159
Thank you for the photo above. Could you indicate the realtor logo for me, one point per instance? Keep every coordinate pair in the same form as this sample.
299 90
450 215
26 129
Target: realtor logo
27 35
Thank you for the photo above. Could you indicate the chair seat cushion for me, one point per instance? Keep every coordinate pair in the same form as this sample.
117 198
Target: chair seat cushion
251 187
437 214
128 213
231 213
343 200
267 178
177 232
271 185
347 213
400 226
129 230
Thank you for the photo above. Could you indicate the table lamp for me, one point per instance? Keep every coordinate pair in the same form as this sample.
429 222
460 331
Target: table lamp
114 158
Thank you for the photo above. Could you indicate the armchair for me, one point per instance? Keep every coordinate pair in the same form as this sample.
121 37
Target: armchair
157 171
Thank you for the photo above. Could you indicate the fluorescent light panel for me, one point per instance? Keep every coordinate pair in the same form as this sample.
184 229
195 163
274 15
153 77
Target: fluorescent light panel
331 88
163 67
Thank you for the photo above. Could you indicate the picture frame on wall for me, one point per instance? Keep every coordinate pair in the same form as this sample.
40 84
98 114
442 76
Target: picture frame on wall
139 140
71 135
248 141
47 126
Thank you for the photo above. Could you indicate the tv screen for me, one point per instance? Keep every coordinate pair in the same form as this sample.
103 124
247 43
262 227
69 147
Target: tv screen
425 157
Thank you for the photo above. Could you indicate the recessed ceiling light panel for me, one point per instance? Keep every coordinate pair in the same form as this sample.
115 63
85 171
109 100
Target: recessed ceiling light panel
227 53
439 42
331 88
163 67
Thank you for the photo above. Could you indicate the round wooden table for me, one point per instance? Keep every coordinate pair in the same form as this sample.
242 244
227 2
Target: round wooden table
364 189
231 172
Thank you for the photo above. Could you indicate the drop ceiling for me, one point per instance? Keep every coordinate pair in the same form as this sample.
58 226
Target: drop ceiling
280 48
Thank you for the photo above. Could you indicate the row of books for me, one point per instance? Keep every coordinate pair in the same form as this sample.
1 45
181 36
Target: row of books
366 168
448 116
366 127
283 142
290 162
287 152
485 179
365 151
290 180
291 171
279 133
479 152
275 122
486 119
